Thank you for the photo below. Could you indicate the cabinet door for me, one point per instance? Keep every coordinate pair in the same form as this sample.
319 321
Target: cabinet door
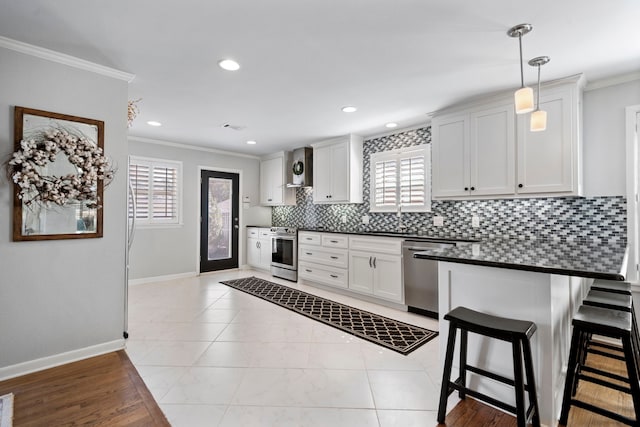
492 151
450 156
265 253
361 272
271 184
321 174
339 173
547 160
253 252
388 277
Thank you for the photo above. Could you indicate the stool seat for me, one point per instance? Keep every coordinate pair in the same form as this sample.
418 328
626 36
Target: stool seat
611 300
612 286
489 325
604 321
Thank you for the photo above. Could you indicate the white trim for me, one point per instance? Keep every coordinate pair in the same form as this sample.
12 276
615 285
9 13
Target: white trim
164 278
189 147
24 368
240 219
612 81
632 165
62 58
395 131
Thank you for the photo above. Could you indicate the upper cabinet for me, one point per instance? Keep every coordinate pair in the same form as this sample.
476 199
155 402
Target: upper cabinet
273 178
482 150
337 170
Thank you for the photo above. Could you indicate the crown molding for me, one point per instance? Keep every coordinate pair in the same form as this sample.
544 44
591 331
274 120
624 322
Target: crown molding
61 58
189 147
612 81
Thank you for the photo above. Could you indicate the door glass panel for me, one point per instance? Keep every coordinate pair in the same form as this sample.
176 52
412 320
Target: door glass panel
220 196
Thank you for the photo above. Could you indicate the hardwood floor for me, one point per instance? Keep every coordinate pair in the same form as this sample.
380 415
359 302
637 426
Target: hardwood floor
101 391
473 413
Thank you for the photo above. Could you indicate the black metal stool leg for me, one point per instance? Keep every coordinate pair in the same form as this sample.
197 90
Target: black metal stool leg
446 374
521 411
571 373
463 362
531 382
633 375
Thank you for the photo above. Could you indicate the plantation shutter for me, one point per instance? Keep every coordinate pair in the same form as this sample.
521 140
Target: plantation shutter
412 181
385 183
156 188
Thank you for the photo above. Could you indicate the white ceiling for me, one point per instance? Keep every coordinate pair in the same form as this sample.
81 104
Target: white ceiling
302 60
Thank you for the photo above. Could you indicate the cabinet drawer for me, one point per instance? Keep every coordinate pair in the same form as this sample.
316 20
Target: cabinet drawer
335 241
331 257
323 274
388 245
265 233
306 238
253 232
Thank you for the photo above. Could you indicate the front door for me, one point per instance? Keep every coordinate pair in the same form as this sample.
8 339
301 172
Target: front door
219 223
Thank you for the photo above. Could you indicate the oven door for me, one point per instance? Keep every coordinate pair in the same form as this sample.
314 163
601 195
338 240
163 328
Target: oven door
284 252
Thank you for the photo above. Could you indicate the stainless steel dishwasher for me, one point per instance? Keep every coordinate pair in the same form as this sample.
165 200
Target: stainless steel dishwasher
421 276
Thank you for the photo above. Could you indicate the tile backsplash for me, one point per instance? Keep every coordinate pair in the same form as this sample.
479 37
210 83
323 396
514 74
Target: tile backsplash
553 218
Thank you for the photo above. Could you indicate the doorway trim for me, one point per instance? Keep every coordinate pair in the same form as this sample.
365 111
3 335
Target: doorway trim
241 235
633 187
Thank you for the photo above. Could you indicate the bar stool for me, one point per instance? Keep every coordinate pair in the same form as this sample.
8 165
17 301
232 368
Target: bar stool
611 286
616 324
518 333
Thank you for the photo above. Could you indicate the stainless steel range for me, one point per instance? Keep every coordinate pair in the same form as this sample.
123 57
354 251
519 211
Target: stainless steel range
284 253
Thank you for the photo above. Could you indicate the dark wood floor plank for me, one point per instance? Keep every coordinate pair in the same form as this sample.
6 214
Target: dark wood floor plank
100 391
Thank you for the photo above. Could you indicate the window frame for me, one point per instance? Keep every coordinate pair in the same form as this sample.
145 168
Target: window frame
152 163
397 155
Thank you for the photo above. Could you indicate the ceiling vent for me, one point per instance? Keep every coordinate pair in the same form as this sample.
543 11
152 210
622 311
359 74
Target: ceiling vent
232 127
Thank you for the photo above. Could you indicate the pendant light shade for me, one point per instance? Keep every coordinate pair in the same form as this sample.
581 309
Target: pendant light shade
538 117
524 100
524 95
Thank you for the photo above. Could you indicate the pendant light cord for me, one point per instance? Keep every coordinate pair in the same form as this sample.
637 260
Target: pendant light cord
521 66
538 96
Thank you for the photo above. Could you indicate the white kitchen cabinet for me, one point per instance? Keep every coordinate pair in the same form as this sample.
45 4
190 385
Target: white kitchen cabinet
337 170
375 267
323 258
550 161
259 248
474 152
482 150
274 172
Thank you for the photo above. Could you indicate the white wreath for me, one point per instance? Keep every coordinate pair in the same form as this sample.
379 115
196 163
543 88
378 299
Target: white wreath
25 166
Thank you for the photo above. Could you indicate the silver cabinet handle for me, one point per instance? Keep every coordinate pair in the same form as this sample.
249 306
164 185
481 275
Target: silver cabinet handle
334 257
308 238
370 265
334 276
308 271
333 241
374 262
308 253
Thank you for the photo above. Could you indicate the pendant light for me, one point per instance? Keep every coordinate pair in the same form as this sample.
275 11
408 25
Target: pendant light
538 117
524 95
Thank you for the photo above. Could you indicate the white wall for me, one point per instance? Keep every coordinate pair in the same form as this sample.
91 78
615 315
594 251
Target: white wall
170 251
604 138
61 295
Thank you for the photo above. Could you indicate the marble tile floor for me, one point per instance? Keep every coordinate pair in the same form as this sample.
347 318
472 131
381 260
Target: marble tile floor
215 356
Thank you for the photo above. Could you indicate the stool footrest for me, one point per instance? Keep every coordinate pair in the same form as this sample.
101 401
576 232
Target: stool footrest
483 397
605 354
603 412
612 347
605 383
586 368
494 376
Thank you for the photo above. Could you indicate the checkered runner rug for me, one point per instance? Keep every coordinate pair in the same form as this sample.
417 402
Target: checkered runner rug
392 334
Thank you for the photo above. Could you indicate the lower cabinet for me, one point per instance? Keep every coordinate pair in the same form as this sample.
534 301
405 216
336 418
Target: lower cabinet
259 248
376 274
362 264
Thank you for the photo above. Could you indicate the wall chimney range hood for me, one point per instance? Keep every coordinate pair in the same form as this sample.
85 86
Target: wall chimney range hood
302 168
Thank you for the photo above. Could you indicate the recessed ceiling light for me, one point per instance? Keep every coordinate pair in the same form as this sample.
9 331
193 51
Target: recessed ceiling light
229 65
251 142
349 109
154 123
391 125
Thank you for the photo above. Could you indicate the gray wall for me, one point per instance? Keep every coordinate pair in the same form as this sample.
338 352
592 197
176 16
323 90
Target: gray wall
61 295
605 139
168 251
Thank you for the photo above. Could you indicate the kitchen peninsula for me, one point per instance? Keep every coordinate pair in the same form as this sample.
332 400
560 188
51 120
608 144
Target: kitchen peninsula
536 280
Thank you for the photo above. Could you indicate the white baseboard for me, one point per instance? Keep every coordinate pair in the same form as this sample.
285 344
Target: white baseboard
133 282
24 368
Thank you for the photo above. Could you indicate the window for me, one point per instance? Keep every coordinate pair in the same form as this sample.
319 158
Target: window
401 178
156 187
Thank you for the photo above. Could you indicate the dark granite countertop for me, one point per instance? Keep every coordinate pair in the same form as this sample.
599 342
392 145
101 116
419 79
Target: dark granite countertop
404 235
593 260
